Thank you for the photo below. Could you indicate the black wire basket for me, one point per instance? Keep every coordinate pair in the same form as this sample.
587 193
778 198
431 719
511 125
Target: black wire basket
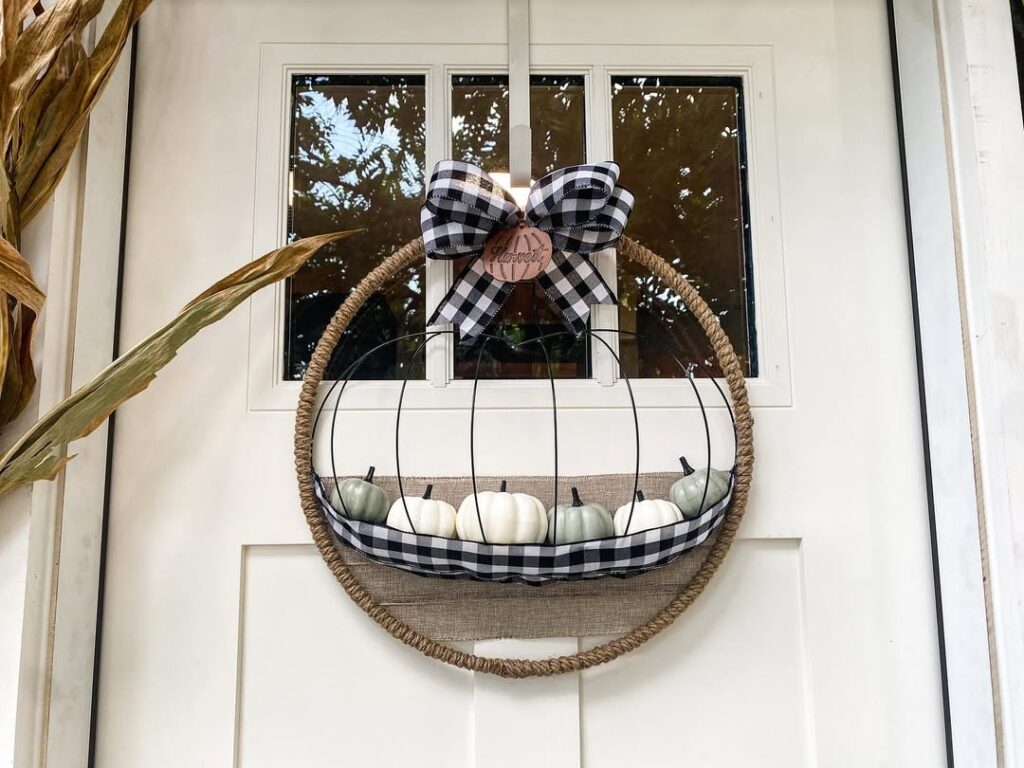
531 563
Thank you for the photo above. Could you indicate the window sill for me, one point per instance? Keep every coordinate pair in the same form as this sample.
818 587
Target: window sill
533 394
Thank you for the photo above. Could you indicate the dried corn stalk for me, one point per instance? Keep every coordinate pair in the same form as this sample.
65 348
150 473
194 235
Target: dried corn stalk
42 451
48 87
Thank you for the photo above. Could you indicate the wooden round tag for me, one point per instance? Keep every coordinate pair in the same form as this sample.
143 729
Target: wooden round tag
517 254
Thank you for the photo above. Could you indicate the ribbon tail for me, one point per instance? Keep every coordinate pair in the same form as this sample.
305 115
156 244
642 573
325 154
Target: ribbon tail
573 285
472 302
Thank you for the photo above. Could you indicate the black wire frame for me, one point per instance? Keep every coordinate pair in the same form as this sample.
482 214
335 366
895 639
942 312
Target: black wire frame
687 368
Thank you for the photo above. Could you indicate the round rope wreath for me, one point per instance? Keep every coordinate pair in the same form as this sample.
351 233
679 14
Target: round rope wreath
404 257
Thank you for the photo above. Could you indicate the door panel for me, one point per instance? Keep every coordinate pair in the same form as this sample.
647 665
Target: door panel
688 702
225 641
296 657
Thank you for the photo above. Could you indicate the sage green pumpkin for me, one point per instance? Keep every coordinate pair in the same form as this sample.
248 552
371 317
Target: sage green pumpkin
688 490
578 522
360 499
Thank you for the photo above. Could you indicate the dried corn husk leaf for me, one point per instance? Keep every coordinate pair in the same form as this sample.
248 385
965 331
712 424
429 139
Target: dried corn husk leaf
34 51
14 11
101 66
41 452
19 376
52 106
48 87
20 303
16 277
107 50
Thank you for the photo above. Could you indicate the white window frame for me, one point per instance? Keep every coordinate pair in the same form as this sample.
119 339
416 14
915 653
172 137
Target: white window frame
267 388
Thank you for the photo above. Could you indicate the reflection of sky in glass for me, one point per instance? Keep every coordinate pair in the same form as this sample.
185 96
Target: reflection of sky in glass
350 141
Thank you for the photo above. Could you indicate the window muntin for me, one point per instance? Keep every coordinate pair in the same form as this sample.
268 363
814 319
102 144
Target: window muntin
680 144
357 161
480 135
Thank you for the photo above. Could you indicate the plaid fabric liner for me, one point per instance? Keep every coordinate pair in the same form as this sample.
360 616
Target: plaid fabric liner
527 563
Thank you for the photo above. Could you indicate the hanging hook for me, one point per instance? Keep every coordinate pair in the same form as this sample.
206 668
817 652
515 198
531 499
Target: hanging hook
519 135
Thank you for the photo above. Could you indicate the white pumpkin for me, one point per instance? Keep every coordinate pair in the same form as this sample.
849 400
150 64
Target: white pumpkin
696 485
508 518
647 514
430 517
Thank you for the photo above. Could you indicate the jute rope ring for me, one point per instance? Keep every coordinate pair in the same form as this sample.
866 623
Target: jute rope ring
410 254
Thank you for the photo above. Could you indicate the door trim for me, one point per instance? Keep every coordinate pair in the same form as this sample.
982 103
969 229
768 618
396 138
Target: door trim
66 541
942 381
929 102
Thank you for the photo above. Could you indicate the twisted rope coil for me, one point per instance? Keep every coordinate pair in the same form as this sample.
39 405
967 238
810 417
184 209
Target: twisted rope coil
408 255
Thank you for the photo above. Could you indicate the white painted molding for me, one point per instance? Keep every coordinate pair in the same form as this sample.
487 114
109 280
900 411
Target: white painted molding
54 234
80 231
965 170
543 705
986 143
956 537
78 580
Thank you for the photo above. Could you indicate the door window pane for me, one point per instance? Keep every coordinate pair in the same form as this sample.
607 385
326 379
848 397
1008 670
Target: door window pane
680 144
357 161
480 135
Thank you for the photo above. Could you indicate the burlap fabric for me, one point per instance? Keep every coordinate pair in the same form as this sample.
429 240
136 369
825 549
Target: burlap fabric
472 610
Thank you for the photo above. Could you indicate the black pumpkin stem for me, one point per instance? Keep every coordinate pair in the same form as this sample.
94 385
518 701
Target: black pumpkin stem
639 495
426 493
369 475
504 486
576 498
687 469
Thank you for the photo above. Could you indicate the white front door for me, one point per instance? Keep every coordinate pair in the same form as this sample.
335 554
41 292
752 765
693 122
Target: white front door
761 140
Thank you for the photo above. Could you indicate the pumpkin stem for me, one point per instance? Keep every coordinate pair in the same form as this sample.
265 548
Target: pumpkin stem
576 498
369 475
426 493
687 469
639 495
504 485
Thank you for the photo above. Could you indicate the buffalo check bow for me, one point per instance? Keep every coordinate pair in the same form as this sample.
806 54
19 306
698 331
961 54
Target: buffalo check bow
580 207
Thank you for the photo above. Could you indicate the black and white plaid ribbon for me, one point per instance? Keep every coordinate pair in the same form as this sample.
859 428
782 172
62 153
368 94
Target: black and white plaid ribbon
580 207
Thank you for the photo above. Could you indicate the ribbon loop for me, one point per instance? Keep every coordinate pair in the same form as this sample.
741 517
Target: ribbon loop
570 197
464 206
580 207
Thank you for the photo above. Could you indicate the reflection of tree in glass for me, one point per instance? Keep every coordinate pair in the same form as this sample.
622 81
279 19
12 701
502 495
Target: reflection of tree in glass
358 162
678 144
480 121
480 136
